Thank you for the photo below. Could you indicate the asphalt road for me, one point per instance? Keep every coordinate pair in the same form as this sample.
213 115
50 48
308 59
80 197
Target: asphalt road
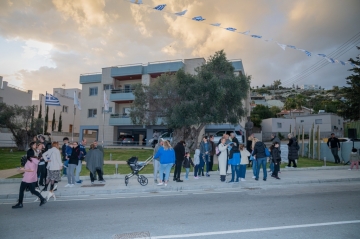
295 211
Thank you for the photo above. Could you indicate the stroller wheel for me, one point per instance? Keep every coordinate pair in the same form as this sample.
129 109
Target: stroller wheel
142 180
126 180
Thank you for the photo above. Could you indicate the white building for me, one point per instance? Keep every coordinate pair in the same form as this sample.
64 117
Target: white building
12 95
70 121
118 81
277 125
310 87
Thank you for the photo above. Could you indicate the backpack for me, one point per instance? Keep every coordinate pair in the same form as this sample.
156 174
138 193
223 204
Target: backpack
23 160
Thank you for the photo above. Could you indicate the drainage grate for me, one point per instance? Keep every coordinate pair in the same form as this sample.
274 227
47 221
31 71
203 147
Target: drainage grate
134 235
93 185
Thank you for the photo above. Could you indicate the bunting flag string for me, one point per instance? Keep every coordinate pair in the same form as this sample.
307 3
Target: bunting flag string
246 33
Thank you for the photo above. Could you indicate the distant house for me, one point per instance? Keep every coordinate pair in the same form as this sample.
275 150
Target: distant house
277 125
276 103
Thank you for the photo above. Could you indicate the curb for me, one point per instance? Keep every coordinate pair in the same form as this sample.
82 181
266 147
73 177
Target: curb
170 188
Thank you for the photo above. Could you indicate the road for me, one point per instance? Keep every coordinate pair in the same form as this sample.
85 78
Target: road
294 211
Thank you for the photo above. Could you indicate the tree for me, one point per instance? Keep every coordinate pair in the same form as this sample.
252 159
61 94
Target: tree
46 120
186 103
60 123
350 108
40 112
299 101
263 86
19 121
274 111
53 122
277 83
290 104
260 112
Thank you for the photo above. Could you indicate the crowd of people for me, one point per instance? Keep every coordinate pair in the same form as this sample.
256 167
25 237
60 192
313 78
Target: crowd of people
46 164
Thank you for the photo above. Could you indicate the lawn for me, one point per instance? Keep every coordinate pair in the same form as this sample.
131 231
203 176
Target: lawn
12 160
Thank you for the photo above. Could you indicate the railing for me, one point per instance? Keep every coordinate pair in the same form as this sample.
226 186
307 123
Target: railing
118 91
120 116
158 62
17 88
89 74
135 64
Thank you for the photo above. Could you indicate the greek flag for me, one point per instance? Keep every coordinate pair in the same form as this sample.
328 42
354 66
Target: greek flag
216 24
198 18
51 100
136 1
323 55
181 13
290 46
256 36
76 101
106 102
342 63
160 7
230 29
329 59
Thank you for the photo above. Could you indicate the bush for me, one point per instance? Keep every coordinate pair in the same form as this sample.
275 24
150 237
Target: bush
280 136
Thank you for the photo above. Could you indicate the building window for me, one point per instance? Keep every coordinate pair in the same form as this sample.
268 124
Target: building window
126 111
108 87
318 121
65 109
128 88
279 125
301 121
92 113
93 91
107 111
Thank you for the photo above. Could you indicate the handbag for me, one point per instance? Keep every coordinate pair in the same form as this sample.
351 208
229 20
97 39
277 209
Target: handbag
217 151
267 152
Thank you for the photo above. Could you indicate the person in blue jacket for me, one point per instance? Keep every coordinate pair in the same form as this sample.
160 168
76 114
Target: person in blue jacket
234 161
167 159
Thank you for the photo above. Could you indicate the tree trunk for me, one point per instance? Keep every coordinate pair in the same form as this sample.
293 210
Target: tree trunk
190 135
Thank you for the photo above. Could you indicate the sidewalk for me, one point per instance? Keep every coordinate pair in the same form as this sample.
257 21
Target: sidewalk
9 188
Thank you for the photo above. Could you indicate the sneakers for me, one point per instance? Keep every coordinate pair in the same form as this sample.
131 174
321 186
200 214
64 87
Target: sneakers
102 181
71 185
67 185
277 177
92 183
242 179
196 177
79 182
253 177
257 179
42 202
349 169
230 181
18 205
156 181
207 175
179 181
165 184
264 179
160 184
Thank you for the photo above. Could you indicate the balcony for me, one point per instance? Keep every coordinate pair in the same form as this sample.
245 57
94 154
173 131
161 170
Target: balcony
122 95
90 78
162 67
127 70
124 119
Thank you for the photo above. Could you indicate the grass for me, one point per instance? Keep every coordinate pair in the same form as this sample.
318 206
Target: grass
10 160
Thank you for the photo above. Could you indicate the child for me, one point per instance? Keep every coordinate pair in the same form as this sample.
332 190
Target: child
244 161
197 163
354 159
186 164
276 159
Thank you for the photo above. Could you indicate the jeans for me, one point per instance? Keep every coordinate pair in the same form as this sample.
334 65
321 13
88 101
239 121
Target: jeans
207 161
100 174
235 169
261 162
66 163
177 171
196 169
201 166
187 173
254 167
156 164
276 169
334 152
70 173
42 174
271 166
165 168
31 187
243 170
78 170
211 163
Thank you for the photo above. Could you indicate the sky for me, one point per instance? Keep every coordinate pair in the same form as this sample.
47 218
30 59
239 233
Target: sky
47 44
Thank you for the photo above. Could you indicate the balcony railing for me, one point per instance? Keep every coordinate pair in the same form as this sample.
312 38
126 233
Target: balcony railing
124 119
122 95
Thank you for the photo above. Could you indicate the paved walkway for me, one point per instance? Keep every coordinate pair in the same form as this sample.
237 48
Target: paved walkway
115 183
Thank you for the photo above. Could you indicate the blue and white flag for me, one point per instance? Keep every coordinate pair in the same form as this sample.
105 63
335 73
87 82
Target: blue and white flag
308 53
245 33
282 46
181 13
216 24
329 59
198 18
323 55
342 63
160 7
292 47
51 100
256 36
136 1
76 101
230 29
106 102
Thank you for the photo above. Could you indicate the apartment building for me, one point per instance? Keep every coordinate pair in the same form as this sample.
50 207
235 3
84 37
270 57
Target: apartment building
117 82
13 95
70 121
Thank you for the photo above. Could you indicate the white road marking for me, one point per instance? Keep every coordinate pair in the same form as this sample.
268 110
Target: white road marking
256 229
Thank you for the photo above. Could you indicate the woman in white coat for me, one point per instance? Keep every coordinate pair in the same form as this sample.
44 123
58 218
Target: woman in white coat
54 166
222 159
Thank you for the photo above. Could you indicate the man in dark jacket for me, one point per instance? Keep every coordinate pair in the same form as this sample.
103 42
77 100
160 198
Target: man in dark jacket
63 153
260 155
334 145
293 153
179 158
212 152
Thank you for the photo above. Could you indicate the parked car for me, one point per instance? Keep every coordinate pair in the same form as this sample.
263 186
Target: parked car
127 140
218 135
166 136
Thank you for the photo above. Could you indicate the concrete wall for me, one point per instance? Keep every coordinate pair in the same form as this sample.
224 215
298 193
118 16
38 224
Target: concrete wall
192 64
269 126
326 127
12 96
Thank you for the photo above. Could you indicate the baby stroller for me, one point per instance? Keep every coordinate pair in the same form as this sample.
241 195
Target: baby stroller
136 167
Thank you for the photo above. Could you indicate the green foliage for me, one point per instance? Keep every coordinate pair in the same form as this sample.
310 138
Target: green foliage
277 83
53 122
188 102
274 111
60 123
350 109
260 112
280 136
46 120
40 111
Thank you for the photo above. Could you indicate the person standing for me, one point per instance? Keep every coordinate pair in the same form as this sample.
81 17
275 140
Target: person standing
63 154
29 179
354 159
156 161
54 166
234 162
73 162
276 159
81 158
274 140
334 145
244 160
99 147
249 146
94 163
212 153
155 138
179 156
293 153
167 160
41 166
196 163
205 149
187 163
260 156
222 159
